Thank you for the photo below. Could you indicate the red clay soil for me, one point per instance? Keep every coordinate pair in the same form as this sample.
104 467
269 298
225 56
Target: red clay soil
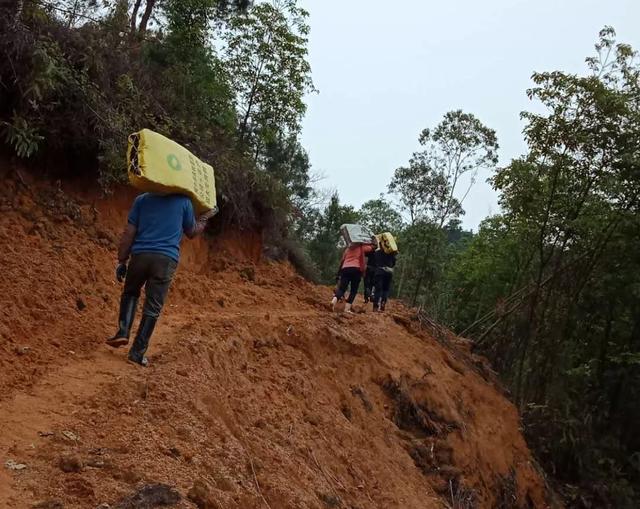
257 396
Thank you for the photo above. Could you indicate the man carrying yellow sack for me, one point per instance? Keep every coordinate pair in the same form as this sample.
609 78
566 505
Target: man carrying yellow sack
152 237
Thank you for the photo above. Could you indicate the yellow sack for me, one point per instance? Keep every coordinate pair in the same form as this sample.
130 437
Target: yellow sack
158 165
387 243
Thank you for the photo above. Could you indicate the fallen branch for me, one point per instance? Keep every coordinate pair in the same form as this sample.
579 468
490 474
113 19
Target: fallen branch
326 476
255 479
21 178
453 501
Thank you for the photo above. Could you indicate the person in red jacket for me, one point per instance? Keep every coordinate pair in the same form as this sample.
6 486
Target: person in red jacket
352 267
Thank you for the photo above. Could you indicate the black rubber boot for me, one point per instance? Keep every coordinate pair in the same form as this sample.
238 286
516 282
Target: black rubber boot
141 343
383 305
128 306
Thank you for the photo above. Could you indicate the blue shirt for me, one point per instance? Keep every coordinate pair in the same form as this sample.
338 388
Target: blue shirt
160 221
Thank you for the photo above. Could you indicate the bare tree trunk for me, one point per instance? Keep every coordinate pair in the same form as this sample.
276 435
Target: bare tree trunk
252 95
245 120
13 12
416 292
536 294
72 14
401 284
604 343
134 15
616 392
256 156
146 16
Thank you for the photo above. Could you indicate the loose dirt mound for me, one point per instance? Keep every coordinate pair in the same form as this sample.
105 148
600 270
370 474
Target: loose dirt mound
256 396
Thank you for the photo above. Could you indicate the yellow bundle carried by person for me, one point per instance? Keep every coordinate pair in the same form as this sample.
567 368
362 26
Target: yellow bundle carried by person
387 243
158 165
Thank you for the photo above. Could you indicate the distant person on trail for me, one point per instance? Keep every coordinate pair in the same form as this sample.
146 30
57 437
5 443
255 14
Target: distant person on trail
369 276
152 237
385 263
352 267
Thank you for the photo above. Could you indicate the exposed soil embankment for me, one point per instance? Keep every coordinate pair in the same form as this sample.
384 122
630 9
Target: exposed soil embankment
257 396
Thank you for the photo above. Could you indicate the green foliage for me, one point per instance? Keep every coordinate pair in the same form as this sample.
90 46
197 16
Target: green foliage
288 162
460 144
551 286
266 51
423 190
23 138
423 246
187 62
379 216
299 257
80 77
188 26
472 291
49 74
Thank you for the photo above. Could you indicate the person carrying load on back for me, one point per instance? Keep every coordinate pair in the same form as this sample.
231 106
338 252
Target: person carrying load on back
385 262
152 238
369 276
352 268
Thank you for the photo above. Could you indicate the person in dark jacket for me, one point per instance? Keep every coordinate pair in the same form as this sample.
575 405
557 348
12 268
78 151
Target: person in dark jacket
385 263
152 238
369 276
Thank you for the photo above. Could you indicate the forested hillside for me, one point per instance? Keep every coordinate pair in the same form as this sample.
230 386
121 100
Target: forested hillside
224 80
548 289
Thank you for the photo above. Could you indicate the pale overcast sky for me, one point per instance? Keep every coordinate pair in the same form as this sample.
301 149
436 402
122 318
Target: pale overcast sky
386 70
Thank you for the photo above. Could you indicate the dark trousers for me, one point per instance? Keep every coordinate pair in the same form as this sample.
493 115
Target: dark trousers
349 276
155 271
369 281
382 287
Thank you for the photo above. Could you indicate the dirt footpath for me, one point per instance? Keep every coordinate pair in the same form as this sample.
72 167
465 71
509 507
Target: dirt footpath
256 397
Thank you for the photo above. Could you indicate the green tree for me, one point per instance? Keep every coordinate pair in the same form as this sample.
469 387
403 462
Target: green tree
459 145
551 287
422 189
287 161
191 64
324 246
266 56
379 216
